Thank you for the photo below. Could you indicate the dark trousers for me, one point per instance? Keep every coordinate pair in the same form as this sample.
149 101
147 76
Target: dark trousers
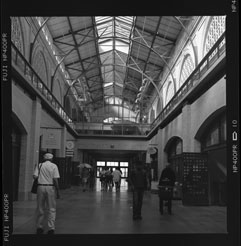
137 201
169 205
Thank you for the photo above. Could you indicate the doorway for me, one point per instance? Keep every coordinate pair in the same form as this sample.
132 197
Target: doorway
123 165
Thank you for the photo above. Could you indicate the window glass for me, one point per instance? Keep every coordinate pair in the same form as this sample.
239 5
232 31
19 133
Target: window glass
112 163
124 164
223 132
179 147
214 136
170 92
100 163
187 68
16 36
216 29
217 134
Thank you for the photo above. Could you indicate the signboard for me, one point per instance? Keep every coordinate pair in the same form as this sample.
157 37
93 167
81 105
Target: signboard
70 144
51 139
69 152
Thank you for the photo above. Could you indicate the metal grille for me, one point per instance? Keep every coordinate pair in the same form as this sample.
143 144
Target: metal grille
192 171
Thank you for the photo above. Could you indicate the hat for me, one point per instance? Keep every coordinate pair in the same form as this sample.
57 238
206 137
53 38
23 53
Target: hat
48 156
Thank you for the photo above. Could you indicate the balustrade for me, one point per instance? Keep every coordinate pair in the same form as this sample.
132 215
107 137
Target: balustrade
32 77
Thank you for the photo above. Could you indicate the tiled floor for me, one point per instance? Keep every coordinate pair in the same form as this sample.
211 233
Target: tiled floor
110 212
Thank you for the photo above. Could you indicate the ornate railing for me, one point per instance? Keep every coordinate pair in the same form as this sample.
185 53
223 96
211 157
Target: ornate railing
91 128
193 80
33 78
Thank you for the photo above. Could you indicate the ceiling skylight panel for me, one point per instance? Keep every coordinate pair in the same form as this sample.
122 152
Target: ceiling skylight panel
123 47
106 46
127 19
105 30
108 84
101 19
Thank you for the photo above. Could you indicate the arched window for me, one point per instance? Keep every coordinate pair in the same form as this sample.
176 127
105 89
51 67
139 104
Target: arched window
16 35
169 92
159 107
216 134
40 67
152 115
175 148
57 91
67 106
215 30
187 68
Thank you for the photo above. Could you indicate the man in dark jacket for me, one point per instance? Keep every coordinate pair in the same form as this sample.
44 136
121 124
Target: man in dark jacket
138 182
166 183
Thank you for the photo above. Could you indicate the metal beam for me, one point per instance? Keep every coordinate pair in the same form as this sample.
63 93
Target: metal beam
70 33
168 39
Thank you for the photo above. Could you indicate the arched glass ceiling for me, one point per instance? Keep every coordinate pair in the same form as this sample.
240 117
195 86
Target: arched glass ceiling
109 55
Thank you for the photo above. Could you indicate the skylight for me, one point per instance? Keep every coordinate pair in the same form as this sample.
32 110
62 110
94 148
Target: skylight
111 30
114 35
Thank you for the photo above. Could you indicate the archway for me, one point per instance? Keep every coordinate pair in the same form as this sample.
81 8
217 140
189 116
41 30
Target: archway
212 136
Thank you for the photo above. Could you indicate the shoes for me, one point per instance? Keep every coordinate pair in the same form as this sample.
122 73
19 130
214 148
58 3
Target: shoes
39 231
50 232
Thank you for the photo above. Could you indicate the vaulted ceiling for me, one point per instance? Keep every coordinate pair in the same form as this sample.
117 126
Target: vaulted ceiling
109 58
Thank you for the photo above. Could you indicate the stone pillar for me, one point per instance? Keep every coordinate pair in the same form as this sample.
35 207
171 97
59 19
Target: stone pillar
32 150
162 156
186 128
63 141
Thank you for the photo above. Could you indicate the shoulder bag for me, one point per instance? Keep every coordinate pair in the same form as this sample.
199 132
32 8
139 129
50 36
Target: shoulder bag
35 183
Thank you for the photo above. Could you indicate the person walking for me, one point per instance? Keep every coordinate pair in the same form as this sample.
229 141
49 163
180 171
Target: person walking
47 192
109 178
166 183
91 179
103 178
138 182
85 178
117 178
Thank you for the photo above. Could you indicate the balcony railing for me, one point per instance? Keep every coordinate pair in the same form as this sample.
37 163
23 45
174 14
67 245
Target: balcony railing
193 80
32 77
139 129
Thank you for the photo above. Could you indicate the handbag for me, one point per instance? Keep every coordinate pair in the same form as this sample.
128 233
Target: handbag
35 184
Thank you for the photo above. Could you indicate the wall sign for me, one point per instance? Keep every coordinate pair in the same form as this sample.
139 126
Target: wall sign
51 139
70 144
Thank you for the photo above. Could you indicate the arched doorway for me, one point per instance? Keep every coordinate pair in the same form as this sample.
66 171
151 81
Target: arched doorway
173 150
212 135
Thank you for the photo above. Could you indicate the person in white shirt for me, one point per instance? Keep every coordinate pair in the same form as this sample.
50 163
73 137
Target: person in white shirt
117 178
47 192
